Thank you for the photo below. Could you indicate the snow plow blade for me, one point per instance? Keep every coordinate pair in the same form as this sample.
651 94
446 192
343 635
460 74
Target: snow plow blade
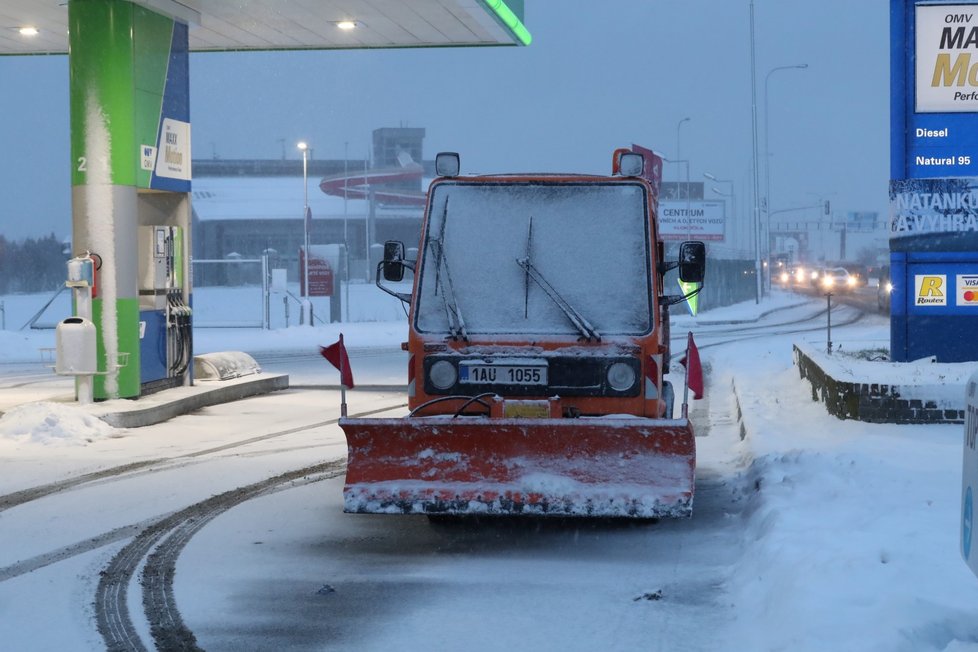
597 467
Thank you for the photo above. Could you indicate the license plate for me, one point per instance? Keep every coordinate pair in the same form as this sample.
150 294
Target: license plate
481 373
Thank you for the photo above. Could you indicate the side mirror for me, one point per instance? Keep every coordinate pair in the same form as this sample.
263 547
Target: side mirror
631 164
393 261
692 261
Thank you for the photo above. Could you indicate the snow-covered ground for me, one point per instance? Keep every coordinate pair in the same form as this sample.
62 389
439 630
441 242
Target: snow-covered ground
810 533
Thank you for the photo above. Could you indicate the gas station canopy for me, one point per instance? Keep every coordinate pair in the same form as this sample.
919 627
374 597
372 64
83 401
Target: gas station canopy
41 26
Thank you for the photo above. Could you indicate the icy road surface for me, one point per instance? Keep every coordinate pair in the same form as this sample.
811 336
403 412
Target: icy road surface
809 533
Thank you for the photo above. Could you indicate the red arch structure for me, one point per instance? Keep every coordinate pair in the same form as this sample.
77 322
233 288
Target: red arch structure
359 185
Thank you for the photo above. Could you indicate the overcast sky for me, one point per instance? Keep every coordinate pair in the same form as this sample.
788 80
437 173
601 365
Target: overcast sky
597 76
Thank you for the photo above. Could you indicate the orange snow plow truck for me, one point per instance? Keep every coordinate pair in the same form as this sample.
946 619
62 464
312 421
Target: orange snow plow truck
538 339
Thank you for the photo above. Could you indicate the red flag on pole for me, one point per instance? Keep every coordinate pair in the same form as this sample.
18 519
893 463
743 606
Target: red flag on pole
694 371
336 354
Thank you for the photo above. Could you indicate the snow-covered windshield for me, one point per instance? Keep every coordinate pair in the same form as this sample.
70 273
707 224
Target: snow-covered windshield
490 248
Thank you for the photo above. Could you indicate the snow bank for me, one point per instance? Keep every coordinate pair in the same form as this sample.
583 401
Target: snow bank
50 424
850 540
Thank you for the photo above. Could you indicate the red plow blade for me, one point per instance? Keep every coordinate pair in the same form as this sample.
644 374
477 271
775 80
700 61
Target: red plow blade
606 467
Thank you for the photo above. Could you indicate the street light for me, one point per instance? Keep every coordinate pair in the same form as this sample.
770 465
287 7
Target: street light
679 156
681 162
732 195
302 145
767 152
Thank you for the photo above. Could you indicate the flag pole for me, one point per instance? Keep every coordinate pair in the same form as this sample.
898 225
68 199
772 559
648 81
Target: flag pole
685 413
342 376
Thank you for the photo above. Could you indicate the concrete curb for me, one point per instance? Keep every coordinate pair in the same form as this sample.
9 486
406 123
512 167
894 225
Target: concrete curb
160 407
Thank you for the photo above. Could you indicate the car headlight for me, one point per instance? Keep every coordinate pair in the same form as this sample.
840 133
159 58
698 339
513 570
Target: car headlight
889 287
784 277
850 281
621 376
443 374
827 281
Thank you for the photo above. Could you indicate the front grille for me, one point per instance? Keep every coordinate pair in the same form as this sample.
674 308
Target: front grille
567 376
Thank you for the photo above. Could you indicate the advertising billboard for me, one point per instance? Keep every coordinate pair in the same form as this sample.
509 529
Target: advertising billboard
946 36
694 220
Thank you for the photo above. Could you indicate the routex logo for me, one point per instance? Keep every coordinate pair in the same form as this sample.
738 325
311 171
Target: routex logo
967 285
930 289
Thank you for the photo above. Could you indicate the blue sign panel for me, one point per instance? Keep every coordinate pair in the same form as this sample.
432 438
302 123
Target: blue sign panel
172 169
942 145
934 89
934 180
935 288
934 306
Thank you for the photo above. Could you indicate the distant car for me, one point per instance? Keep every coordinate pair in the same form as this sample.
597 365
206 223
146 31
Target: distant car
858 272
802 276
836 279
786 277
884 290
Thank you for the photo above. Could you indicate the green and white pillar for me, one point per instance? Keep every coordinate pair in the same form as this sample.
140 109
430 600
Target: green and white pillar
130 157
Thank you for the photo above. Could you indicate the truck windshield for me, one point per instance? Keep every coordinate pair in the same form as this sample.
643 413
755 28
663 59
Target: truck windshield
590 241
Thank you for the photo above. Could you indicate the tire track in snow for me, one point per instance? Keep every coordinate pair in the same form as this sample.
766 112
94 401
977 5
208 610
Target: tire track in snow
151 466
161 544
743 333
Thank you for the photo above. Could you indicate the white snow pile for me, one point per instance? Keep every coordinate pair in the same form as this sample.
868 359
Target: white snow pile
49 423
852 531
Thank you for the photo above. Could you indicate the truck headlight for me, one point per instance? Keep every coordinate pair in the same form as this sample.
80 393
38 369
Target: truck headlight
442 374
621 376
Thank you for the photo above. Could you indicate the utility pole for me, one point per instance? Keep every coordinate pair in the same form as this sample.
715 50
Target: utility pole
757 193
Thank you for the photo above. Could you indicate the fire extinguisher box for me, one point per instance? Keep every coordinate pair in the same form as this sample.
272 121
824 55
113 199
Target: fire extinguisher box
75 347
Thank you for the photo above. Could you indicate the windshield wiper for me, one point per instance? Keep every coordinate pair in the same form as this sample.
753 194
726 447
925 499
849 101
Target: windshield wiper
526 278
456 325
586 329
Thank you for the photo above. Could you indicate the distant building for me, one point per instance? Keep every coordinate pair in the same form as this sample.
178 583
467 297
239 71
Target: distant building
245 208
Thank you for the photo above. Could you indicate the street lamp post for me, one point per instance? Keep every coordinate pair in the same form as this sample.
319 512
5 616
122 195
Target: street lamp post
679 156
732 195
767 154
346 237
756 182
302 145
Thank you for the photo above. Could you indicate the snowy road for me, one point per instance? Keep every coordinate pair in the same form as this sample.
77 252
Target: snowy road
808 534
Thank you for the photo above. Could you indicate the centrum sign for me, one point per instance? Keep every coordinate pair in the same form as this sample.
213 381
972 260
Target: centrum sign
696 220
947 65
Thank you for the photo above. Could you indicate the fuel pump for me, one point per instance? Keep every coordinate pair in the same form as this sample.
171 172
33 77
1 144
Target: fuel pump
165 317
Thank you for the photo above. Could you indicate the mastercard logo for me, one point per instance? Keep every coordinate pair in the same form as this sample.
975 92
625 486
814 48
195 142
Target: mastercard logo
967 290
